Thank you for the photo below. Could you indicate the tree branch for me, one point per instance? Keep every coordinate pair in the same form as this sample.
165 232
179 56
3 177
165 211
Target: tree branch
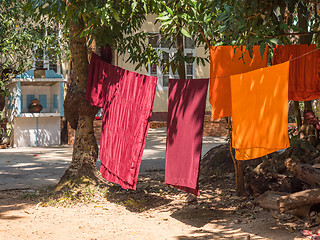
289 34
204 37
259 13
295 33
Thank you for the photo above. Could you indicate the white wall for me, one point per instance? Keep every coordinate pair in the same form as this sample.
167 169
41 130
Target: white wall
25 131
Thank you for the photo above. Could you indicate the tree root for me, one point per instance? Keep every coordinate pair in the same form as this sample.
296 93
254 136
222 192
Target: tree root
69 180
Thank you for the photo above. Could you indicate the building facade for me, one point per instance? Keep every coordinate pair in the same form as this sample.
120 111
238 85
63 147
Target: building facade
193 71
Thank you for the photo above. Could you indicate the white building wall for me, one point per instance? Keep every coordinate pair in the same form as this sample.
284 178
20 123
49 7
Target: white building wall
49 131
26 133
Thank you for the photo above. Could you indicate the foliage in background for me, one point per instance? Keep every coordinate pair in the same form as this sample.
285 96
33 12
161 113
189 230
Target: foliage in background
221 22
20 35
248 22
105 21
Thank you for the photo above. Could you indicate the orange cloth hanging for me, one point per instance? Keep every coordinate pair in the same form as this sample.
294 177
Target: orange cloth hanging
304 76
260 111
226 61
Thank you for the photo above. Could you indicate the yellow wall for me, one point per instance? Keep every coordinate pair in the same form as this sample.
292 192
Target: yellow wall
161 97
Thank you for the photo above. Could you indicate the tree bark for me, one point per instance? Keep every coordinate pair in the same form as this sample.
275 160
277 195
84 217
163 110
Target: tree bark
240 179
80 114
304 39
238 166
304 172
299 199
297 113
308 105
303 16
181 65
269 200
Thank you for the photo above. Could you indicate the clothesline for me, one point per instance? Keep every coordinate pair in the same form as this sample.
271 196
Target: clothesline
293 59
317 49
127 113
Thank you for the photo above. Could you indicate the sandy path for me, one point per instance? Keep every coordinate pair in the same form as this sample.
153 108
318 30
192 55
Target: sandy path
142 214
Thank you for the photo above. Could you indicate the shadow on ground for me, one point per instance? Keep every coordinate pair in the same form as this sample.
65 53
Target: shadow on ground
151 193
24 168
10 201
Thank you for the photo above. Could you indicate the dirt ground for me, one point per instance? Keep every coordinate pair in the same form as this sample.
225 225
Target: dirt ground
153 211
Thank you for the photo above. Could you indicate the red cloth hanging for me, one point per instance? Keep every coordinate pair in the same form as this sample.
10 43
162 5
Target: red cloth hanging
304 76
186 109
127 100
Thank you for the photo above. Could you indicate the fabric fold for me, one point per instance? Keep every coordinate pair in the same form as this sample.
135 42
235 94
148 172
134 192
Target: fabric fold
304 76
224 62
127 100
186 109
260 111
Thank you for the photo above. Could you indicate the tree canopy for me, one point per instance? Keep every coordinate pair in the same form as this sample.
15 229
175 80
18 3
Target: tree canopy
222 22
247 22
118 23
21 35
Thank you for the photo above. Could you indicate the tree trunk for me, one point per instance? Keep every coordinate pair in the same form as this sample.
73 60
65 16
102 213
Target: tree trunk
238 166
80 115
270 199
297 113
308 105
303 16
299 199
181 65
240 188
304 172
304 39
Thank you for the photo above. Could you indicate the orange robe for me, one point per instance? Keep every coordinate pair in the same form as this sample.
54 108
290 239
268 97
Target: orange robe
260 111
226 61
304 76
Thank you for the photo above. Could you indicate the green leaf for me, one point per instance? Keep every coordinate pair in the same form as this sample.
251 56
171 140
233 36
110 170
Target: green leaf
163 17
295 28
169 10
275 41
262 49
185 33
115 14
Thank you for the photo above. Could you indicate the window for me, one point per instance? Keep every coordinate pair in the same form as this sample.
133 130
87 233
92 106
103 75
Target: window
39 59
30 97
189 68
157 42
43 101
55 101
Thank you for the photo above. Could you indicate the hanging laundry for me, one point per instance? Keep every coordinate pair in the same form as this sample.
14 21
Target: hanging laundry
226 61
304 76
260 111
127 101
186 109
